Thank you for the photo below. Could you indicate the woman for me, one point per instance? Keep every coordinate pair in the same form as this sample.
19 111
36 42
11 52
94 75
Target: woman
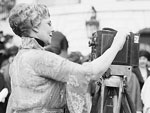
42 81
145 75
142 72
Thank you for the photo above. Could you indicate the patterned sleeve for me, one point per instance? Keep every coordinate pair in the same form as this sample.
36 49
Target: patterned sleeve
78 96
52 66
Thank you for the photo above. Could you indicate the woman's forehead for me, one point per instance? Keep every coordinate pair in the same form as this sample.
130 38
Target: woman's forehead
143 57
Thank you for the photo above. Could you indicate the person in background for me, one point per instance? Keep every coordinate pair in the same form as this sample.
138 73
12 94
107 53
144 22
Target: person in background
42 81
5 45
142 71
11 52
5 78
76 57
59 44
133 89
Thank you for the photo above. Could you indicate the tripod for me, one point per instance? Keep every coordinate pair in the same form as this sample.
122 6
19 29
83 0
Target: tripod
114 97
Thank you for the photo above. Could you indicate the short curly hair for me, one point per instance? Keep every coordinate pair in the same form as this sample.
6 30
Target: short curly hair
23 17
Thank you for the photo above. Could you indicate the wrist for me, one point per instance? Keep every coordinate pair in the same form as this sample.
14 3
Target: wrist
115 47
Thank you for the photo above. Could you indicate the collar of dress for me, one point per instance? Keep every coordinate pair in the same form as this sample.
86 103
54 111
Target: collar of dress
30 43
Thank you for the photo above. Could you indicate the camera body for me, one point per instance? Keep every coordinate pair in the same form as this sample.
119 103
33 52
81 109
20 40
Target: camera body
129 55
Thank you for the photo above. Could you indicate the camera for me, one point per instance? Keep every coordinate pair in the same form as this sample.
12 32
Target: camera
129 55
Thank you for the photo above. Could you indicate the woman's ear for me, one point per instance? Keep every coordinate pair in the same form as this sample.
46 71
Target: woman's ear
35 29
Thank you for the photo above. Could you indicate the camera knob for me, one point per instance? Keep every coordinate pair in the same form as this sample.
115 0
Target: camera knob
92 43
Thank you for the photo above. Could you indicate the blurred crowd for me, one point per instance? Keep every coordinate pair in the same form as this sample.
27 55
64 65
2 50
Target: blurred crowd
7 51
138 82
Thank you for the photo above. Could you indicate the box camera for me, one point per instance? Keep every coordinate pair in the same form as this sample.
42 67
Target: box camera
129 55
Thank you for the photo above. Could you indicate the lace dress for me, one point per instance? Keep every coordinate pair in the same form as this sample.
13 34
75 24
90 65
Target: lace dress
42 81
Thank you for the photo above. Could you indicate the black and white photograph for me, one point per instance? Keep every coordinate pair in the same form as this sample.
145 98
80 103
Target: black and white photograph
74 56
